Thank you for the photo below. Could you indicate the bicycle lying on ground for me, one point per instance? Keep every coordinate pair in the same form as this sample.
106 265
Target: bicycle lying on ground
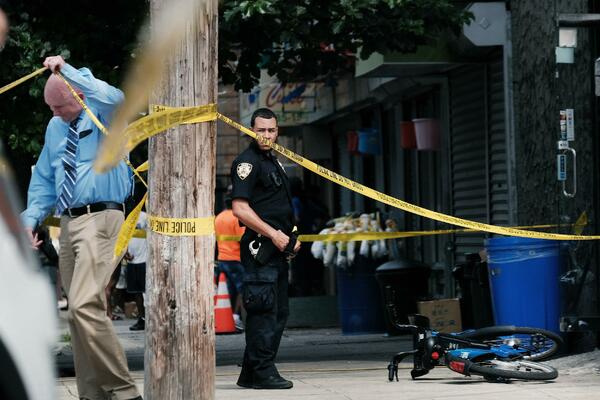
497 353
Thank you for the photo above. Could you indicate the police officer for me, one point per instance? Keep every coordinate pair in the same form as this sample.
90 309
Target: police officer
262 202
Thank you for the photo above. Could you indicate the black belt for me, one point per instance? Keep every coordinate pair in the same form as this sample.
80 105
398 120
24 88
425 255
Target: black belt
94 207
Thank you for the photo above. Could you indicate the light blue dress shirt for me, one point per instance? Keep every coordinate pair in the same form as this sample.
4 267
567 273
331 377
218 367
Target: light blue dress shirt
90 187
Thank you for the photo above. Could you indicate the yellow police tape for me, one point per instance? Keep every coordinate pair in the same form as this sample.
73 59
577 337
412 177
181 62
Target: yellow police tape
128 228
211 114
328 237
157 122
11 85
167 117
97 123
161 119
143 167
360 236
148 126
202 226
403 205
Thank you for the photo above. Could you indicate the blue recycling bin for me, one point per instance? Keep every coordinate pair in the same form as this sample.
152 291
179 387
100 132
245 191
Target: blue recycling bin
524 281
359 301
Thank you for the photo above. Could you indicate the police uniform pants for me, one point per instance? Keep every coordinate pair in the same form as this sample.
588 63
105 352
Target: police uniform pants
86 264
264 322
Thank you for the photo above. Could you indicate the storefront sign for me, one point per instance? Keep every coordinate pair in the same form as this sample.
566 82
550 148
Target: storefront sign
293 103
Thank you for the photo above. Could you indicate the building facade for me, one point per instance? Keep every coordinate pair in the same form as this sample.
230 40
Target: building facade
495 95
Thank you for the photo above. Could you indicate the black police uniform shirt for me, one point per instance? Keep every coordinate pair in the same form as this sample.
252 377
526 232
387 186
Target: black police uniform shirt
258 177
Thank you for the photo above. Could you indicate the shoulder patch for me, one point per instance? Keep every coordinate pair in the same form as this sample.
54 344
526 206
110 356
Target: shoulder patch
243 170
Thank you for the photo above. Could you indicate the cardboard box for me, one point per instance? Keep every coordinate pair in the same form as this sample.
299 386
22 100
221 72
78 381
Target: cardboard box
444 314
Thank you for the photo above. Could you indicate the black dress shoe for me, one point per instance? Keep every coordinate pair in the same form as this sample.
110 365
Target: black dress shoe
273 382
140 325
245 379
244 383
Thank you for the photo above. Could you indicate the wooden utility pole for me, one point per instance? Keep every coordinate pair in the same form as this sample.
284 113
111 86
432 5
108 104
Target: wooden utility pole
180 338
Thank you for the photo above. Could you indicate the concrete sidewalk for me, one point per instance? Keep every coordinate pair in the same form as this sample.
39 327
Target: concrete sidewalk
324 364
367 380
297 345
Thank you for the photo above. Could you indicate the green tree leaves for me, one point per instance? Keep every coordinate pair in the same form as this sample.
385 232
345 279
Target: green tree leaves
311 39
296 40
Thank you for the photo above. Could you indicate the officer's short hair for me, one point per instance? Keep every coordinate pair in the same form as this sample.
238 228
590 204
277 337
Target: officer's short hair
262 113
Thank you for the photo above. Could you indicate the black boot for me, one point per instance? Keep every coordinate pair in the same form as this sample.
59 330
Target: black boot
140 325
245 380
273 382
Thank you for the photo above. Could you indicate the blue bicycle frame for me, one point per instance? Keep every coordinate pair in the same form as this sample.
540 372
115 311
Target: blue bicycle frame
431 348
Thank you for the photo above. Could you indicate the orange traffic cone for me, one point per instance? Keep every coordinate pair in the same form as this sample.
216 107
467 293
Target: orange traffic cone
223 314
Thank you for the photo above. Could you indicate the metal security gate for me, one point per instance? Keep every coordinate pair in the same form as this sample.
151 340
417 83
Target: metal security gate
499 207
478 156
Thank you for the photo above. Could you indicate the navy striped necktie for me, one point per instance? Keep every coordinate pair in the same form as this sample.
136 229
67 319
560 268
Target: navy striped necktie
69 160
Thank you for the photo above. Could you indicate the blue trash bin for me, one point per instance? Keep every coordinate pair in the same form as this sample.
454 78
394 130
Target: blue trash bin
524 281
359 301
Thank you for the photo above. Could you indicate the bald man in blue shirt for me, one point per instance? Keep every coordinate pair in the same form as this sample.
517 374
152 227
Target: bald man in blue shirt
91 210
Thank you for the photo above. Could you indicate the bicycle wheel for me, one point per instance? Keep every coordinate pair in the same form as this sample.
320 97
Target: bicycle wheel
515 369
537 344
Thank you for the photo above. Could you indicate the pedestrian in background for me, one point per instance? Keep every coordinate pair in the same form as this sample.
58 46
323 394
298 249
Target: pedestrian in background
113 294
228 257
91 209
263 203
137 253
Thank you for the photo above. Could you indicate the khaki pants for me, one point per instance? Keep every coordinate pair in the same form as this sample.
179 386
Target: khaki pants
86 264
